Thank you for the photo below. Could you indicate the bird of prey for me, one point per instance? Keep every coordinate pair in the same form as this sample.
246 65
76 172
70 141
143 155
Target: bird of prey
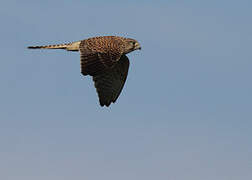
104 58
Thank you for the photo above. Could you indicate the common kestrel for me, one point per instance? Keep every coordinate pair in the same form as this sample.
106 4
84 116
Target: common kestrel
104 58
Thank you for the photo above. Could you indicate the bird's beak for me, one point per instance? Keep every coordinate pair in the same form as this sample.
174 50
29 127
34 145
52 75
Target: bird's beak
137 46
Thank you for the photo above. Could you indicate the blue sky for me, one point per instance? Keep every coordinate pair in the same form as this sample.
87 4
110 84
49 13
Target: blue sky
184 113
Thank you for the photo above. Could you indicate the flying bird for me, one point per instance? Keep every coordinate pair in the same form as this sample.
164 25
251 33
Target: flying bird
104 58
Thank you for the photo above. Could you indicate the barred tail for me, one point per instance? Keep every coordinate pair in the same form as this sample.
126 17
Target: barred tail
74 46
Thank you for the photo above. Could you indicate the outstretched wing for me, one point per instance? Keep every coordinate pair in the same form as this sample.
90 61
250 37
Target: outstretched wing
110 83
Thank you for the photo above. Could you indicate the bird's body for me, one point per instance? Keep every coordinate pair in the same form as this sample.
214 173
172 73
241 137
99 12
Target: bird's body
104 58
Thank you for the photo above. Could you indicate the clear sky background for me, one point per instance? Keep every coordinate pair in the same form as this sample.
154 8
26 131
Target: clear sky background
185 112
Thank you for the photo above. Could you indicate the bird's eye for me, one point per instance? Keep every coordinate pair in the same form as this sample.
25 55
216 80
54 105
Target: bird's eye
133 43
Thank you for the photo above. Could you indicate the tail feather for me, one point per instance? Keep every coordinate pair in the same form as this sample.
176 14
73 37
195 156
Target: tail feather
74 46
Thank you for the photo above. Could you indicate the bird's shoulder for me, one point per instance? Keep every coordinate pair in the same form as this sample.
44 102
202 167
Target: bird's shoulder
103 44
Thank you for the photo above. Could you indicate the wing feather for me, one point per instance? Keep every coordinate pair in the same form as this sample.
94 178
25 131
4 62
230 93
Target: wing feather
110 83
99 54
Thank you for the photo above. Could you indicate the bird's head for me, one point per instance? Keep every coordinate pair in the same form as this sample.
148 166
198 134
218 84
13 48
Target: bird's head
131 45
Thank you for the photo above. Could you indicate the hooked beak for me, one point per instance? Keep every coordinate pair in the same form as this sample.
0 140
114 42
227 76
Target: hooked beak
137 46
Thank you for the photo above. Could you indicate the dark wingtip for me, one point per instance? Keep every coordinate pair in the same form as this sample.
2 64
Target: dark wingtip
101 104
106 104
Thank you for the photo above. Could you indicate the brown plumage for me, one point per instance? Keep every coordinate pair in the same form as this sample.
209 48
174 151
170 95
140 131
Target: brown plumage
104 58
